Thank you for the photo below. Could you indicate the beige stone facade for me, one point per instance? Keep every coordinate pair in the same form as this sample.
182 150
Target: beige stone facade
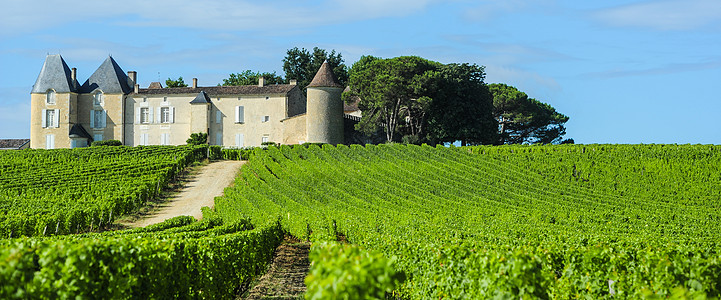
109 105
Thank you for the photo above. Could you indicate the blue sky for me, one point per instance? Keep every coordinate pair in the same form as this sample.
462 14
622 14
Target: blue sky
623 71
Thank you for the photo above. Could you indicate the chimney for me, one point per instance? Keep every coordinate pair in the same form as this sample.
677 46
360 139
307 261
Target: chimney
195 83
74 76
261 81
293 82
133 76
137 88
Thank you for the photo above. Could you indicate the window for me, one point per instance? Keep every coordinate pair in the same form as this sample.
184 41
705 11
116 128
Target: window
218 116
97 137
50 97
144 115
50 141
97 118
239 114
265 119
165 99
239 140
98 98
51 118
165 138
165 115
219 139
264 139
143 139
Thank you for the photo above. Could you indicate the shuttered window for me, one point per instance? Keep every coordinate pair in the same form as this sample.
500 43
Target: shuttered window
239 114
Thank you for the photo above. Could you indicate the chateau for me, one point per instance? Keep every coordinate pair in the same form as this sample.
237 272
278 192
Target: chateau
110 105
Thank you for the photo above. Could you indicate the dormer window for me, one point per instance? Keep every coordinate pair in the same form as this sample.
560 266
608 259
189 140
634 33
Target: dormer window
98 98
50 97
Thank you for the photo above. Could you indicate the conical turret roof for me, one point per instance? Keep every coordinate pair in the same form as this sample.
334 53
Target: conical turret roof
325 77
55 75
109 78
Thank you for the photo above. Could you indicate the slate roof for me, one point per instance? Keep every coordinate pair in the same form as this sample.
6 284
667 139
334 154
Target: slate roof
202 98
13 143
79 131
324 77
55 74
109 78
213 91
155 85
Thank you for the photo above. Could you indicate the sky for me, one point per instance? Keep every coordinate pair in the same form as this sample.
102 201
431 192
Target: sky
623 71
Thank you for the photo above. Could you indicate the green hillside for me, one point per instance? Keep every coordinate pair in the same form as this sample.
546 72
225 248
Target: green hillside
549 222
481 222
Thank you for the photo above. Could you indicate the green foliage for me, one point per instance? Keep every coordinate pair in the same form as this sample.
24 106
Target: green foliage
48 192
170 83
342 271
525 120
302 65
197 138
429 102
106 143
200 260
249 77
557 221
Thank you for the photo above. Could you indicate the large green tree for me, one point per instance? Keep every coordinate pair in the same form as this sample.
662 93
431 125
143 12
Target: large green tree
462 106
249 77
302 65
170 83
391 93
525 120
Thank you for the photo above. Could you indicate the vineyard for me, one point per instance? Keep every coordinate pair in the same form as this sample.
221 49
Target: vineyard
418 222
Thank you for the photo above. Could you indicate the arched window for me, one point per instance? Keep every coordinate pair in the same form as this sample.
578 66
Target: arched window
50 97
98 99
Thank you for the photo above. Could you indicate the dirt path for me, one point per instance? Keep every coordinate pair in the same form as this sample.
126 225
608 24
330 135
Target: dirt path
285 278
198 191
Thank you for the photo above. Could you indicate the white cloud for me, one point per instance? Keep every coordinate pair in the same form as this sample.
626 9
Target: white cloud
664 15
29 15
489 9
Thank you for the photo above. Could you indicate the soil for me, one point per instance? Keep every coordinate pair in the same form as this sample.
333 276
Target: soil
285 278
194 189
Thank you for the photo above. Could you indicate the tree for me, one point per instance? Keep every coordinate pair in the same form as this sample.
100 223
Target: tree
249 77
175 83
462 106
391 94
197 138
525 120
301 65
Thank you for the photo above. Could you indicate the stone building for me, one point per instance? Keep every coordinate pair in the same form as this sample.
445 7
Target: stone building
110 105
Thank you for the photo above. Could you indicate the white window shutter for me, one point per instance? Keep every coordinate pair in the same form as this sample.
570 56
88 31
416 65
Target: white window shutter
150 115
172 114
157 115
45 118
92 119
104 118
237 114
239 140
56 119
137 115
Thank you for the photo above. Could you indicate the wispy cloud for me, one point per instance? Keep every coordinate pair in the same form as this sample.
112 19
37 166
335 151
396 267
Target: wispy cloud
660 70
29 15
664 15
489 9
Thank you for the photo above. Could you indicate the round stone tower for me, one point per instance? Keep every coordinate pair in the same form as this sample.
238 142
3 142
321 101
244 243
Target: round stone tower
324 116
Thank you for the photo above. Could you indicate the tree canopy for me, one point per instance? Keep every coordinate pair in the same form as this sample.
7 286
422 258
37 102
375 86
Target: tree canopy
525 120
417 100
249 77
302 65
175 83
